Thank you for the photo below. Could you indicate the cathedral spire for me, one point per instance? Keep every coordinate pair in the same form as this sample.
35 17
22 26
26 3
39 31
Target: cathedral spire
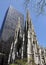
28 20
29 24
28 16
19 24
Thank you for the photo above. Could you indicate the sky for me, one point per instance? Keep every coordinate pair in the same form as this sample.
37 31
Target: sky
39 22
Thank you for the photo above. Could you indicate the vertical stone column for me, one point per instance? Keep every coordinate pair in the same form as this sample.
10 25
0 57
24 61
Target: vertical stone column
36 56
9 59
40 50
45 55
29 48
23 47
12 53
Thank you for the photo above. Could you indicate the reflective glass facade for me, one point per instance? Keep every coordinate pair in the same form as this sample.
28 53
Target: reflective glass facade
10 23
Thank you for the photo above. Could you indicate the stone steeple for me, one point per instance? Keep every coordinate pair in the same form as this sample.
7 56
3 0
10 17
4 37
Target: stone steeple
27 20
28 16
29 37
19 24
27 42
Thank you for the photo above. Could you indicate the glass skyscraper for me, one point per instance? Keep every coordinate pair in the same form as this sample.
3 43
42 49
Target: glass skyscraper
10 22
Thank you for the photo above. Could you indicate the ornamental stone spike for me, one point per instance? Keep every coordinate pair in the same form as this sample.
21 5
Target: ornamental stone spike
28 16
19 24
29 50
29 21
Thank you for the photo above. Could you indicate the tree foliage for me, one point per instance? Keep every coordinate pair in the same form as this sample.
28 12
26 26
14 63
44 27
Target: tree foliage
23 62
38 5
20 62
